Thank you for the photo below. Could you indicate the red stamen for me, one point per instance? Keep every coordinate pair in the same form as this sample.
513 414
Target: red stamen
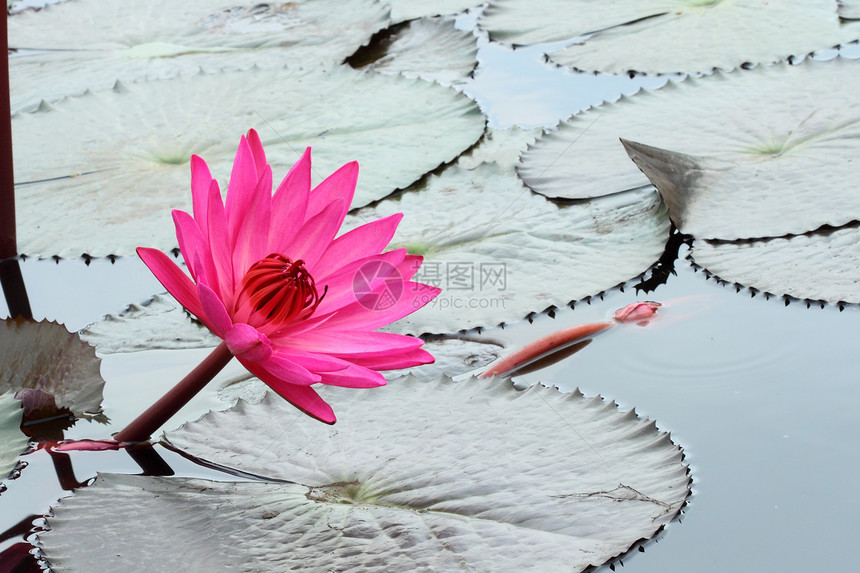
279 290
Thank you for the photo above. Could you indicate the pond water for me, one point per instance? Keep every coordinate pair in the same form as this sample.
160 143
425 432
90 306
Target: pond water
761 395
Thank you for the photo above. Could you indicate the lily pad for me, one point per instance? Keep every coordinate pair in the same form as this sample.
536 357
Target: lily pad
669 36
90 43
402 10
161 323
817 266
12 439
432 49
45 356
476 476
127 150
849 9
501 146
499 251
761 150
453 357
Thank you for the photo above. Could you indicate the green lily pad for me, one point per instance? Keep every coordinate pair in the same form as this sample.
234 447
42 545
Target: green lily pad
471 475
821 266
12 439
499 251
402 10
91 44
756 152
132 146
432 49
669 36
161 323
45 356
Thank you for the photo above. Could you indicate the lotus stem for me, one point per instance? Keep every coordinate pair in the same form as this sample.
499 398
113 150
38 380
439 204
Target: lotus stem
529 352
142 428
8 238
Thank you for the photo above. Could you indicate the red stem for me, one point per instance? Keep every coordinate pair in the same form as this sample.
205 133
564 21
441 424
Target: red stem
156 415
8 239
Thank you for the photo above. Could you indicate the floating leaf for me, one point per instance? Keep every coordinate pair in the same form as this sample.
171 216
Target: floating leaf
431 49
453 357
502 146
769 142
45 356
12 440
402 10
476 476
668 36
500 252
132 147
715 198
818 266
92 43
161 323
849 9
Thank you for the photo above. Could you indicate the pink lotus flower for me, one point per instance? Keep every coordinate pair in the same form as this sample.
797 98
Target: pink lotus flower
296 305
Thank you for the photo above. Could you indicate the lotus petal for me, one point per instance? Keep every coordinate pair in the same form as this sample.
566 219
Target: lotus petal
12 439
453 356
87 49
45 356
131 146
816 266
499 251
479 475
668 36
763 150
432 49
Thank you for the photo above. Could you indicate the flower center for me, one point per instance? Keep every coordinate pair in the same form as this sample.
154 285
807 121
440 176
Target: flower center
279 290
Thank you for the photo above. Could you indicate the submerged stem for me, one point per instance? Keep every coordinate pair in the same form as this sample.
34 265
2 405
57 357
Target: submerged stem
142 428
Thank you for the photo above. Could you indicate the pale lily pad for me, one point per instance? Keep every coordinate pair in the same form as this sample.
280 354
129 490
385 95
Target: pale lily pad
431 49
132 145
849 9
402 10
17 6
45 356
12 439
453 357
93 43
161 323
499 251
784 191
669 36
821 266
771 133
444 476
502 146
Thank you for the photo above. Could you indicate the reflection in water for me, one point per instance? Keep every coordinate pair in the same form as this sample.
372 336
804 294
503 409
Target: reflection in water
665 266
14 290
